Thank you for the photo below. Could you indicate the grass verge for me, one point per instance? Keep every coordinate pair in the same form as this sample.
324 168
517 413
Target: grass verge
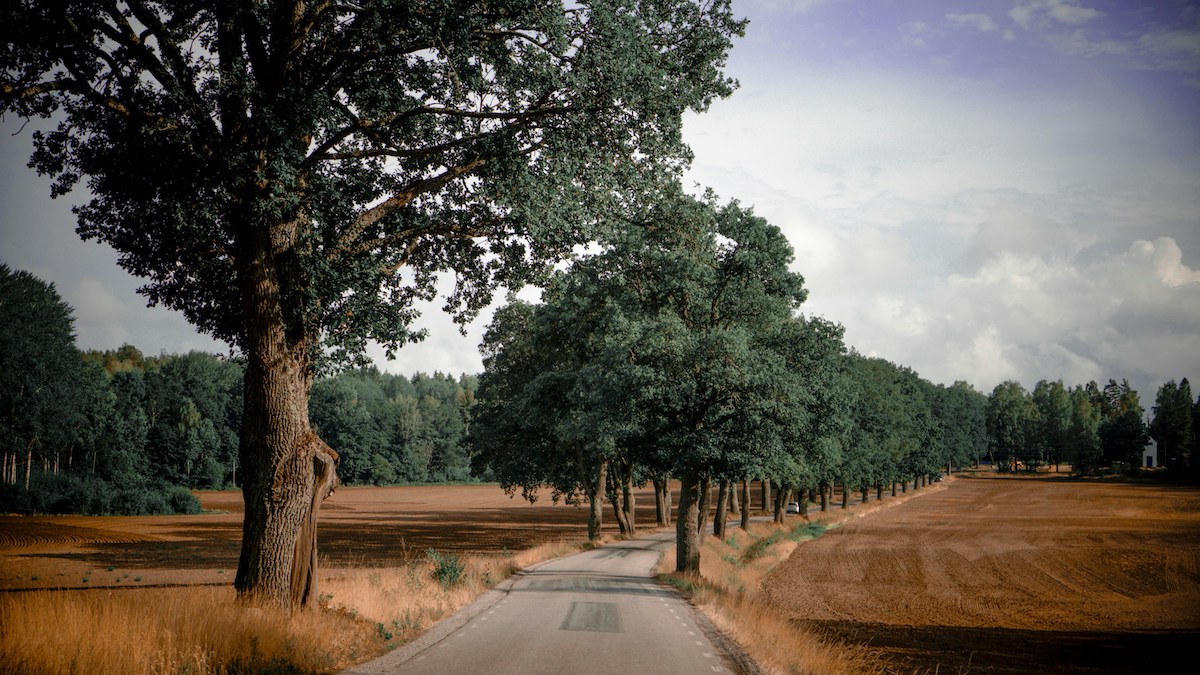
728 591
363 613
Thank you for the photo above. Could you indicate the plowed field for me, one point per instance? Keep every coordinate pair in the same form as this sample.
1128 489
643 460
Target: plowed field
1010 575
358 526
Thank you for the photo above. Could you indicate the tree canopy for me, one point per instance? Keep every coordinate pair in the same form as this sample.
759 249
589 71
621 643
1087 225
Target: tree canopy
292 175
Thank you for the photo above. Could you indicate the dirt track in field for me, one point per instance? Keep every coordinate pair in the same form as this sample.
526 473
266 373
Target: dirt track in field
1009 575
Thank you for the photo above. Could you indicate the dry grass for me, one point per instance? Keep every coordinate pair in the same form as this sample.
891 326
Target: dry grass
178 630
364 613
728 590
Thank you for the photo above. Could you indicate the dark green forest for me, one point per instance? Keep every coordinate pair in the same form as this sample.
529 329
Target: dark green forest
121 432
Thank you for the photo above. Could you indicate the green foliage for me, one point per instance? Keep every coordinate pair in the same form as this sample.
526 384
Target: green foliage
448 568
1012 420
1173 426
389 428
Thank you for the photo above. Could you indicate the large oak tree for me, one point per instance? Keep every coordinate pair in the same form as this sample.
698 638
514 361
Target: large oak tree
293 175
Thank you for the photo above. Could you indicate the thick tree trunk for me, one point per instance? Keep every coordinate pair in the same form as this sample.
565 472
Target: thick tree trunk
722 509
802 496
745 505
893 488
866 491
662 500
702 508
781 494
824 498
879 491
845 495
287 470
628 500
735 507
614 498
596 502
765 486
904 486
687 537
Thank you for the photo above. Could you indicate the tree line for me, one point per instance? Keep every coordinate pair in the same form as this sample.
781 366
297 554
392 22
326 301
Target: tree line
116 431
677 352
1089 426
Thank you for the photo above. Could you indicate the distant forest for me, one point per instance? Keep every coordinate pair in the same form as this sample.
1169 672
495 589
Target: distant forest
118 431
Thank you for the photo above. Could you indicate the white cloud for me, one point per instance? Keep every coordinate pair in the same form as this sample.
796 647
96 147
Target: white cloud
1166 258
913 33
1172 50
1030 13
968 233
980 22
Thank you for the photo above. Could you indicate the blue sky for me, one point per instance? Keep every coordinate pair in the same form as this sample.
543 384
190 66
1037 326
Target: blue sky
978 189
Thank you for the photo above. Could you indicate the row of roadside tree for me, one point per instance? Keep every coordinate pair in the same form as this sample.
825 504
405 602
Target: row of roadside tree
584 395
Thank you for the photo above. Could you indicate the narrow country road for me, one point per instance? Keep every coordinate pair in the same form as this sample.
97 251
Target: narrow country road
594 612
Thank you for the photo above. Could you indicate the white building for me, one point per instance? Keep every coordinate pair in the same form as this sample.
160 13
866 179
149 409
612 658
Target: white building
1150 455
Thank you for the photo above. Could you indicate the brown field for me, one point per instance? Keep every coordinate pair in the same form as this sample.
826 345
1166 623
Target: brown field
975 575
1009 575
358 527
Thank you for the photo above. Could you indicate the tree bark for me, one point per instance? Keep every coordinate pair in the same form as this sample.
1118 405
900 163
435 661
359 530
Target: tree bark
722 509
610 489
780 502
687 537
628 500
745 505
705 499
802 496
596 502
866 491
288 471
845 495
765 486
662 500
824 498
735 508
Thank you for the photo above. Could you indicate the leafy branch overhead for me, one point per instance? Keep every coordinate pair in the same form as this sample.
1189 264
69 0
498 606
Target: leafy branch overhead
376 144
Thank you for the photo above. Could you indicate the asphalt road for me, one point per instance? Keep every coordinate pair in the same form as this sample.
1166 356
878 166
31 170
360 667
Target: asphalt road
594 612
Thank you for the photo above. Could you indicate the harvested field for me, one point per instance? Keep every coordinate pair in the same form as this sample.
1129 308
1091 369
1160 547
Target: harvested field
359 527
1009 576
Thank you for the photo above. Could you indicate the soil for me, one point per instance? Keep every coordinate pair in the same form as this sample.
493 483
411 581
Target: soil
372 526
976 575
1009 576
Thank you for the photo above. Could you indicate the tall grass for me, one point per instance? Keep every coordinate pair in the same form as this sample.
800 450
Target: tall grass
728 590
363 613
179 630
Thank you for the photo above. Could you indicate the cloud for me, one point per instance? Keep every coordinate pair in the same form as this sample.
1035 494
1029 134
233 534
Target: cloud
801 6
99 313
971 232
1031 13
980 22
1177 50
913 34
1166 258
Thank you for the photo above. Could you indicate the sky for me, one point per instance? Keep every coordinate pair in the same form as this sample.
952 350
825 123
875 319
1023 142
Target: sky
980 190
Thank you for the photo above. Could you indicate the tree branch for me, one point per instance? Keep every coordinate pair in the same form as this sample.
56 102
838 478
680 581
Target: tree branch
397 201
